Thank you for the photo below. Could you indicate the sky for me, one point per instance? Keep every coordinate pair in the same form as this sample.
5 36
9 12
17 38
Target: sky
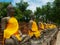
32 3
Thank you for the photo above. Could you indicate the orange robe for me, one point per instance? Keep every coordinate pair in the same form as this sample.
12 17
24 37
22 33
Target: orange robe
34 30
42 25
52 26
12 29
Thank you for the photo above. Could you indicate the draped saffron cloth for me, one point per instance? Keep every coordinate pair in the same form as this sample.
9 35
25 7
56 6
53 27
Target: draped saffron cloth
12 28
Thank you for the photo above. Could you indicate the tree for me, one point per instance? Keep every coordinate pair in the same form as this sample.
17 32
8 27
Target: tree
38 13
48 11
27 15
56 9
3 9
21 10
22 6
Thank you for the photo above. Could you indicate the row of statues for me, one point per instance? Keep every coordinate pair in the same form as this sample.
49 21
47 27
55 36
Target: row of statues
14 36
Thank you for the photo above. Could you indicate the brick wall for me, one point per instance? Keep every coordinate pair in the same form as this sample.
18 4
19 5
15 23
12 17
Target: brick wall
1 38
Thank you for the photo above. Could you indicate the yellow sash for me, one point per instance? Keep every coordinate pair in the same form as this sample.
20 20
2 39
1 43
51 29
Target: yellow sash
34 26
42 26
36 33
52 26
12 28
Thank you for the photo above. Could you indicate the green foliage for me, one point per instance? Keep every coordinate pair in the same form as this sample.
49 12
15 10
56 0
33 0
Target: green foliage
50 11
38 13
56 11
22 6
27 15
3 9
22 12
18 14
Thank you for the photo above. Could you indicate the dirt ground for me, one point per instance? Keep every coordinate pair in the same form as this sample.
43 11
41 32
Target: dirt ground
58 39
